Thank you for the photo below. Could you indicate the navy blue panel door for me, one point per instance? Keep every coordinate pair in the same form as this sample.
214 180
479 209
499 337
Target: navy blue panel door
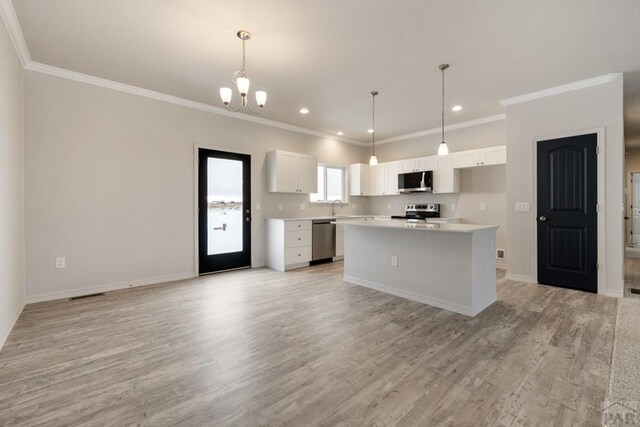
567 217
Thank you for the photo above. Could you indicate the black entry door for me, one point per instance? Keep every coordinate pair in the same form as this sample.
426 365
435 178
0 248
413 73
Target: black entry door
224 193
567 216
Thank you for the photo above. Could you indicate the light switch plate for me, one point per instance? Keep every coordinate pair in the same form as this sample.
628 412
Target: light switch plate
394 261
522 207
61 262
483 206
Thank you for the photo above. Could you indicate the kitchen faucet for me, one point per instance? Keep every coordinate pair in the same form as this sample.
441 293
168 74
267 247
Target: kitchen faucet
333 207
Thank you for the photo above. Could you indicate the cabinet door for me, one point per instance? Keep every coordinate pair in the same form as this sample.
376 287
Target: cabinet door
425 163
358 179
495 156
446 179
287 173
376 180
408 166
466 159
307 167
391 170
339 240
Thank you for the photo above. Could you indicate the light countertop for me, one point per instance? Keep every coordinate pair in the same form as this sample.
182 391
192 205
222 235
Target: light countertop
389 223
355 217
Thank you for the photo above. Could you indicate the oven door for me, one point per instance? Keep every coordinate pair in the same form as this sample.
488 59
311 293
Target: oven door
415 182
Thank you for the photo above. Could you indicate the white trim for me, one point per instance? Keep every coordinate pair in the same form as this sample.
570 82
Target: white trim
602 211
556 90
434 131
519 278
435 302
611 293
8 14
134 90
4 334
70 293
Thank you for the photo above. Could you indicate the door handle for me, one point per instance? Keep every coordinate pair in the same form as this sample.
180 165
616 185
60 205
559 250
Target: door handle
223 228
542 218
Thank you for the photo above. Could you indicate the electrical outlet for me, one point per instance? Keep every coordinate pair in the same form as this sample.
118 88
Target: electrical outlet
279 206
453 206
388 206
394 261
61 262
258 207
483 206
354 206
303 206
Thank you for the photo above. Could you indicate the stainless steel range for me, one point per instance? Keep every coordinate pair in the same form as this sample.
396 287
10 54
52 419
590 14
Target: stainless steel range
419 212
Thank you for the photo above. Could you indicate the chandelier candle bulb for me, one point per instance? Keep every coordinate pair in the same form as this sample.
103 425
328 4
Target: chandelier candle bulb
243 85
261 98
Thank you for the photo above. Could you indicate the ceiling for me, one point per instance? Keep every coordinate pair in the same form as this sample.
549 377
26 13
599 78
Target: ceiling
328 55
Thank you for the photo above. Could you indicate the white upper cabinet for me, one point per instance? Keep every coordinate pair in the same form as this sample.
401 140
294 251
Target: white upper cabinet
392 169
377 180
359 179
481 157
289 172
446 179
420 164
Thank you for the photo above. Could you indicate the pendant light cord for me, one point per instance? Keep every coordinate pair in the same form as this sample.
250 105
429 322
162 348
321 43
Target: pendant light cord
443 104
373 125
243 73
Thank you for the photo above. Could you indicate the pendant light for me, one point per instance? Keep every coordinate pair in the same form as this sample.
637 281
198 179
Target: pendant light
443 150
373 160
242 82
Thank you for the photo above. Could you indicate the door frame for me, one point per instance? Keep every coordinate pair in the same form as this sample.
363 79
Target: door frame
196 219
602 207
628 196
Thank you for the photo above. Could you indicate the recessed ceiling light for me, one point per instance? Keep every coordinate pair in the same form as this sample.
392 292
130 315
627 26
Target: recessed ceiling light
304 111
456 108
369 130
340 133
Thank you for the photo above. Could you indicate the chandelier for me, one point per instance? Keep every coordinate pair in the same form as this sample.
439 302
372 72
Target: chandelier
242 82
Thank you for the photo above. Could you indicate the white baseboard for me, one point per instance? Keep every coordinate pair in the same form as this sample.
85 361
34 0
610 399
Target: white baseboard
70 293
458 308
4 333
612 293
519 278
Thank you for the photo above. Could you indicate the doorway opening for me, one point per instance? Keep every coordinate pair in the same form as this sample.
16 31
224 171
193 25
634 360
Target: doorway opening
224 211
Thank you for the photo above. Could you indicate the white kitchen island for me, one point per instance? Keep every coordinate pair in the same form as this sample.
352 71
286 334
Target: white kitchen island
451 266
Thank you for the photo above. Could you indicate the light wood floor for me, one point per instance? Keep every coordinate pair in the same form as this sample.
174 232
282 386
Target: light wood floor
259 347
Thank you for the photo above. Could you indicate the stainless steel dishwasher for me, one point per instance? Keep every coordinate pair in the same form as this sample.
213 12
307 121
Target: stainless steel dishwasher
323 239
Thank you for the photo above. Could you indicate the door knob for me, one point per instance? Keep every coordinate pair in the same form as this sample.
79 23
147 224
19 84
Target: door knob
542 218
248 219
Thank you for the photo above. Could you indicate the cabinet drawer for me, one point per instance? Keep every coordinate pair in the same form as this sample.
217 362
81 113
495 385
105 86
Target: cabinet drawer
297 225
294 239
297 255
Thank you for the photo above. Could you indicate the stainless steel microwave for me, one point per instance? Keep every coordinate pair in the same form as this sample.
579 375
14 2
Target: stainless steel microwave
415 182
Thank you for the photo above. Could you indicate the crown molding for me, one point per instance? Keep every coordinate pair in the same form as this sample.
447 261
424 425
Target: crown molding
556 90
134 90
437 130
10 19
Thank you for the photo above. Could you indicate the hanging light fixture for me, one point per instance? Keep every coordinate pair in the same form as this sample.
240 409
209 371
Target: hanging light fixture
443 150
242 82
373 160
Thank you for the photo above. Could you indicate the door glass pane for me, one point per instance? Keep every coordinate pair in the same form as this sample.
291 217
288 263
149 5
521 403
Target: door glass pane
334 184
224 206
314 197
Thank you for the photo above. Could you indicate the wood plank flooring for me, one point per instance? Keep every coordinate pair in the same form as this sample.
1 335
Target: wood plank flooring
303 348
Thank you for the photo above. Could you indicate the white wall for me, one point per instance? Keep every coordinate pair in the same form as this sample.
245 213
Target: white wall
11 187
110 184
477 185
588 108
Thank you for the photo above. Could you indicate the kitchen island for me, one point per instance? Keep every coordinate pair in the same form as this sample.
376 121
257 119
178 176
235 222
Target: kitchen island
450 266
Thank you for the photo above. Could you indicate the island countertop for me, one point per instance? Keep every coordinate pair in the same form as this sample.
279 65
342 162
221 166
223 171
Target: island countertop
418 226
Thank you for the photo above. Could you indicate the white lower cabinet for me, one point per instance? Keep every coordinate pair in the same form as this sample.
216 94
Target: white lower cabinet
288 244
